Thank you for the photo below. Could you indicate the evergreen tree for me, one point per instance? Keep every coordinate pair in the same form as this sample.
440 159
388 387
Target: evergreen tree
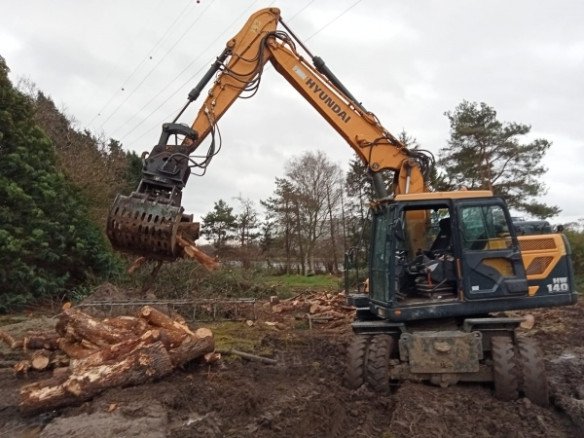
484 153
219 225
48 246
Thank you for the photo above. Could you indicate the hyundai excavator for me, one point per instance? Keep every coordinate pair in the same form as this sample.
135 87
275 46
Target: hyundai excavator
443 266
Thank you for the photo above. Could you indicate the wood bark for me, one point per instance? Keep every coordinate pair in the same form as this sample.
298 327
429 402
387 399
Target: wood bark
193 252
146 363
159 319
82 326
74 349
118 351
10 341
131 323
46 341
193 347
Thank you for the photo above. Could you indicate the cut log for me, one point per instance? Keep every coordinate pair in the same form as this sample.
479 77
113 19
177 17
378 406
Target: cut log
193 347
192 251
159 319
82 326
74 349
46 394
144 364
172 338
40 359
22 367
131 323
37 341
10 341
116 352
136 264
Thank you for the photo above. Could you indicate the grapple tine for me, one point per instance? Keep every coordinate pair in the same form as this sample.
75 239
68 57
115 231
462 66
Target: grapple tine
143 226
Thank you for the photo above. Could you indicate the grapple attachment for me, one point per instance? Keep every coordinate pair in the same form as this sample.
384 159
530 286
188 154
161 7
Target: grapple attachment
144 226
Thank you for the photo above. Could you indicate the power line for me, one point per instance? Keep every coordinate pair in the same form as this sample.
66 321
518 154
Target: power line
189 28
195 74
181 87
334 19
148 56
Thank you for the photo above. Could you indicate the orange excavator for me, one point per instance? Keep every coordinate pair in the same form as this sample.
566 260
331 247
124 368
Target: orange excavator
441 263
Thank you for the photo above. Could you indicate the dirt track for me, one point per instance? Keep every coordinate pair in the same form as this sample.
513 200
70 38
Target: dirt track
303 396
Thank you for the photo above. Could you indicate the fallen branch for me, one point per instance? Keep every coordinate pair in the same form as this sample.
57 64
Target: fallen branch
249 356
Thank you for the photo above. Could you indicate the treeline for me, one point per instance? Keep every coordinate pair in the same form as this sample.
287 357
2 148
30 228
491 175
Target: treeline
56 184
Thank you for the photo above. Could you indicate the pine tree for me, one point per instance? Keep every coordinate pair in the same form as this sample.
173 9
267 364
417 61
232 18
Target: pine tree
484 153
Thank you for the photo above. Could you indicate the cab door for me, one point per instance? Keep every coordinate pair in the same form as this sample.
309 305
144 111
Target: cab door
492 266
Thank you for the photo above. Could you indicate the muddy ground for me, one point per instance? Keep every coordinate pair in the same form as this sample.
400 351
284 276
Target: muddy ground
303 395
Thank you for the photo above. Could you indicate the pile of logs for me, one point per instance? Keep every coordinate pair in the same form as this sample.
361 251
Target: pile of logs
89 355
318 307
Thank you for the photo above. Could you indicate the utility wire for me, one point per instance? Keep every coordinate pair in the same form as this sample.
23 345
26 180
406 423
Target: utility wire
188 29
181 87
334 19
141 63
195 74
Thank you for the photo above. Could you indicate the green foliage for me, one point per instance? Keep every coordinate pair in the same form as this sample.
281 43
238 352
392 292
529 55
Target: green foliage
99 168
48 245
186 279
134 170
220 224
484 153
576 239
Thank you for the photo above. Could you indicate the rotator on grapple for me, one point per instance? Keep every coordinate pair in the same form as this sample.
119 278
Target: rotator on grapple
148 221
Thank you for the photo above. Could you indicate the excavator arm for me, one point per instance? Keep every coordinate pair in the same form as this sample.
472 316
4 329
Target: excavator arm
149 220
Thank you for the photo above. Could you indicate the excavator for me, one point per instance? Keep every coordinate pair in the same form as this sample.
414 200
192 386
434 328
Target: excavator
444 267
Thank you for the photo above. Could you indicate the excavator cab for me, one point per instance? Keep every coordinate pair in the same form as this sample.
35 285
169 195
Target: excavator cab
456 254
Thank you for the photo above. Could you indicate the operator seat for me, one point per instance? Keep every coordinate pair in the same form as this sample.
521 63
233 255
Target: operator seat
443 240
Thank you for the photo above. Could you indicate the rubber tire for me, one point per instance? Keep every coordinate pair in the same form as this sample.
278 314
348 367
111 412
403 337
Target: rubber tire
378 363
357 351
505 370
534 382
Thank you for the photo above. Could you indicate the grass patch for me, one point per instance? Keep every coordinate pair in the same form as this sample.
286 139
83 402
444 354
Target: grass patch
291 284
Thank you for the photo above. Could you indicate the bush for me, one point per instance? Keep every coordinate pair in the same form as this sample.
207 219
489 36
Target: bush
576 239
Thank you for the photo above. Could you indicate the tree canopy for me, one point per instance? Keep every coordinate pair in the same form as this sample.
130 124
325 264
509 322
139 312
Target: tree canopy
49 245
485 153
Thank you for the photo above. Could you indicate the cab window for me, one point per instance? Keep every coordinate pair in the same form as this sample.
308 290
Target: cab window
484 227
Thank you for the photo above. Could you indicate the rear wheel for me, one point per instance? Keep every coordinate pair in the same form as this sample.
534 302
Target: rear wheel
356 357
378 362
534 380
505 371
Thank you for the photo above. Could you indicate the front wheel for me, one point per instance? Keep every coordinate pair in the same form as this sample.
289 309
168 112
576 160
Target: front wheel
378 362
356 357
505 371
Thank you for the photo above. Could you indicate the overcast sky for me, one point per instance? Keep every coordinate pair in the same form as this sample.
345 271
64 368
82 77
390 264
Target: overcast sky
121 68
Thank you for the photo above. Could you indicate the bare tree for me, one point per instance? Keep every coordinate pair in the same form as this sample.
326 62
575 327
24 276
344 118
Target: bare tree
314 178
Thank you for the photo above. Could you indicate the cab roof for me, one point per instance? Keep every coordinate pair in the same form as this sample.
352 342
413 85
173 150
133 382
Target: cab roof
456 194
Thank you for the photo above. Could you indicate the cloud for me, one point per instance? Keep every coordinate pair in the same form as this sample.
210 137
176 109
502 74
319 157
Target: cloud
408 62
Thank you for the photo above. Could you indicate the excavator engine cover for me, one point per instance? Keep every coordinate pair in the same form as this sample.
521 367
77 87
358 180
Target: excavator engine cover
144 226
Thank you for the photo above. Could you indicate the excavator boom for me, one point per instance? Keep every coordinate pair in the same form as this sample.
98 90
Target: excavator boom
149 220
